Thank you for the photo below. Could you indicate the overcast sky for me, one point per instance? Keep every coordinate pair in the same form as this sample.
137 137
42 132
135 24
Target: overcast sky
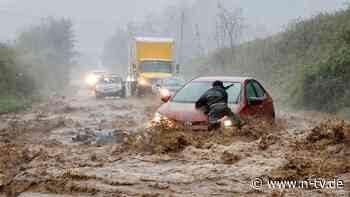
95 20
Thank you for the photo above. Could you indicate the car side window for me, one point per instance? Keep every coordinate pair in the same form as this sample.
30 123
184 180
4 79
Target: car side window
259 90
250 90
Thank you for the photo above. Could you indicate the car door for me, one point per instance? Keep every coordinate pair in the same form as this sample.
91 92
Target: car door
254 107
266 107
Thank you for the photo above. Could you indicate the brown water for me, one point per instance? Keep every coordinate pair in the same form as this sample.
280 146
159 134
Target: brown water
75 147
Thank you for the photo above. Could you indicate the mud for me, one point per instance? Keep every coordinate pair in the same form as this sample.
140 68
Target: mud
322 153
78 146
167 137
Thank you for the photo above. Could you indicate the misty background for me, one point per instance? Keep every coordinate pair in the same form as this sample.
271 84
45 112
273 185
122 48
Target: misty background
299 49
96 21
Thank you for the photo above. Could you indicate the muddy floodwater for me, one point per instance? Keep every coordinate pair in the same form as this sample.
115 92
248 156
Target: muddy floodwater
79 146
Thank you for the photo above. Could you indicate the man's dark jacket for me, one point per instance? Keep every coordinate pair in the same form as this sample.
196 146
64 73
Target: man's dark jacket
215 95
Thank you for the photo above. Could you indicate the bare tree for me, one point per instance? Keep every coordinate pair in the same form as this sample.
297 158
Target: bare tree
229 28
200 49
182 23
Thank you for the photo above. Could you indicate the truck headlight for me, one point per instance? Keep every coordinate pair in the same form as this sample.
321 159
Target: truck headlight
228 124
143 82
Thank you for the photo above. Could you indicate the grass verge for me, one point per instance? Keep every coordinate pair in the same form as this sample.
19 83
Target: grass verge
12 103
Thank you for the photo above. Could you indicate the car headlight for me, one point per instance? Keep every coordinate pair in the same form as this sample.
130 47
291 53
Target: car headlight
228 123
91 80
164 92
143 82
157 117
163 121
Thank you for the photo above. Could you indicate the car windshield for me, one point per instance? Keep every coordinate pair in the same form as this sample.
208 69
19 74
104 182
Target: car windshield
193 91
109 80
155 66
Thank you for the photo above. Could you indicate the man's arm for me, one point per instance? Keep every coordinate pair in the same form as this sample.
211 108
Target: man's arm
228 87
202 101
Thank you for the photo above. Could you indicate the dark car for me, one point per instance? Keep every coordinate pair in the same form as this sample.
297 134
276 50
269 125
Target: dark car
110 85
246 98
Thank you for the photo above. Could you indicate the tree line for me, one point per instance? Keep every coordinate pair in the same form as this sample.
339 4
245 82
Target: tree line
306 66
38 61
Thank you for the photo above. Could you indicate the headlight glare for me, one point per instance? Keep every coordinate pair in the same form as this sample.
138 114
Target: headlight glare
228 123
157 117
162 121
143 82
164 92
91 79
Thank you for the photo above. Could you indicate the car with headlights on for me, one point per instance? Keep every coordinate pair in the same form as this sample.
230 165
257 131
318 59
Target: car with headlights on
247 97
110 85
168 86
92 78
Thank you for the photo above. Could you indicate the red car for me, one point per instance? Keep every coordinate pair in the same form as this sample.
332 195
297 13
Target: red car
246 98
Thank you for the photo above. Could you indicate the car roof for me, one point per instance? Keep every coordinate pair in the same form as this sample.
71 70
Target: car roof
108 73
103 71
223 78
99 72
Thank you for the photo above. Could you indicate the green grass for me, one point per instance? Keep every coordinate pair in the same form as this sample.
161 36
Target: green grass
11 103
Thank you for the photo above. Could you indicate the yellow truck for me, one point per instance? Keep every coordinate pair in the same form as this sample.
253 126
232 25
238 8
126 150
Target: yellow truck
150 59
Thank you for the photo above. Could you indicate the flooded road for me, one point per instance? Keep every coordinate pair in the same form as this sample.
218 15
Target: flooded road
80 146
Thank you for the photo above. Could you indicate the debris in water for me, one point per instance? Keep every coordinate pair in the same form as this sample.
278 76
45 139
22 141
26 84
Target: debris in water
229 157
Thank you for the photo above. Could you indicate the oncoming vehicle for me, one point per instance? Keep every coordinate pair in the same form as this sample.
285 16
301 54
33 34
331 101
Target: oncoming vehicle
110 85
92 78
168 86
151 59
247 97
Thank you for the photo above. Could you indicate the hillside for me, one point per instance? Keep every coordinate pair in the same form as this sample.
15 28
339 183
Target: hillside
307 66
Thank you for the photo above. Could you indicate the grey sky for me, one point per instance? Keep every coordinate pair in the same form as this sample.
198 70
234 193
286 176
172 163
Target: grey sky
95 20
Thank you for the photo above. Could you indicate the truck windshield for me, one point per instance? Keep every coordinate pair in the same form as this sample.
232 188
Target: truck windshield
194 90
155 66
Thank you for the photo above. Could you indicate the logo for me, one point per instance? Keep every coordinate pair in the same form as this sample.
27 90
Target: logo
256 183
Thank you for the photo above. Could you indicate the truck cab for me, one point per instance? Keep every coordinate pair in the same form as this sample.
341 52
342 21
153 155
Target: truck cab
151 60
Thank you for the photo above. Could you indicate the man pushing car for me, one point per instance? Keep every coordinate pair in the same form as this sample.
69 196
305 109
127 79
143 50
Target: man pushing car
214 103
